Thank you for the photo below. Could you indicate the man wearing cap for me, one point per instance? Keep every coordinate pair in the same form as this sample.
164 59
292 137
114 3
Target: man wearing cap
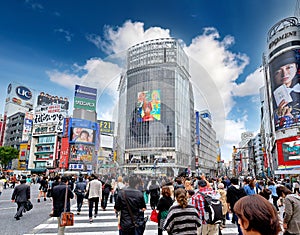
198 202
21 195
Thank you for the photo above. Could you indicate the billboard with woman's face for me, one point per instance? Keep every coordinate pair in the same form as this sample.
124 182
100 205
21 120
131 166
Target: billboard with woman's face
285 86
148 105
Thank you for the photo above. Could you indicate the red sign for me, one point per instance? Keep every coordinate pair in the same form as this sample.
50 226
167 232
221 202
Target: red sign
64 153
289 151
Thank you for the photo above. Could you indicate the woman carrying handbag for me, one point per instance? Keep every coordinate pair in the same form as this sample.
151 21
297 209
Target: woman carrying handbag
61 195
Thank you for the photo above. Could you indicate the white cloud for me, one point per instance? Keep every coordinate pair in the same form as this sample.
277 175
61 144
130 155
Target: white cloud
121 38
97 73
68 36
251 84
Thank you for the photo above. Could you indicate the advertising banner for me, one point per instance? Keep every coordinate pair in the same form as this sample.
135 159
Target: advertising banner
82 131
64 153
197 128
288 151
20 95
86 104
106 127
284 77
45 99
148 105
49 120
85 92
81 153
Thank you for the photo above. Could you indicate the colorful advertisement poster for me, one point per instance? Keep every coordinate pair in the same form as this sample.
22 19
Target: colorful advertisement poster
82 131
285 86
148 105
81 153
289 151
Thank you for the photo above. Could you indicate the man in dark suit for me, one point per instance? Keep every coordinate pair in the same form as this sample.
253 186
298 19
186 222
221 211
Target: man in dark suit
59 193
21 195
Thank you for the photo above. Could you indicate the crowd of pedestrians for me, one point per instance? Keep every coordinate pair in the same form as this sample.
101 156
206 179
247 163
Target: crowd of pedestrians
180 202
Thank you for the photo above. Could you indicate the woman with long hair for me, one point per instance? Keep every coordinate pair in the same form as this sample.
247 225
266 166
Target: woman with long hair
182 217
163 206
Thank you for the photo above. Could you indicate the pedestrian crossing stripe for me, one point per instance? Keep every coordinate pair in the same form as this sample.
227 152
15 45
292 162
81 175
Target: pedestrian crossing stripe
105 223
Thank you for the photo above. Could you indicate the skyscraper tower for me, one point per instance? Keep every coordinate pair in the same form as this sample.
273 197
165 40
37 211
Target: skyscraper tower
156 110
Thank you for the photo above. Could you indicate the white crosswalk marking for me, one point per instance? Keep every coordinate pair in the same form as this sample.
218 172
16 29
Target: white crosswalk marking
105 224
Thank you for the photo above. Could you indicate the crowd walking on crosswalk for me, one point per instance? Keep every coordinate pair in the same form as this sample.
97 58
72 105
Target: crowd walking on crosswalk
134 205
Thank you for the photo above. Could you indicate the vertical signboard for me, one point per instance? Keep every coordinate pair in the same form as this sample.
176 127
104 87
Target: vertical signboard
64 153
285 87
85 98
197 128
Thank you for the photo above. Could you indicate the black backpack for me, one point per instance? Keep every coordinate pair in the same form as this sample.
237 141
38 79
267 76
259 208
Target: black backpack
213 210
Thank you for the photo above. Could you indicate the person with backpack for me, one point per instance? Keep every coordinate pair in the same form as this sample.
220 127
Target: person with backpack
234 193
200 200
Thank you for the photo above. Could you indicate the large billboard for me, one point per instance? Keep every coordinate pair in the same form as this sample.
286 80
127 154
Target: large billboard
81 153
148 105
288 151
49 119
20 95
82 131
45 99
284 77
85 98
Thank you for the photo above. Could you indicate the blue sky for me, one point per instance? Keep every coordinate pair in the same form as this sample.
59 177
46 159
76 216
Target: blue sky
53 45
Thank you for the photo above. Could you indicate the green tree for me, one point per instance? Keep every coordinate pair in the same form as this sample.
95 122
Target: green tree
7 154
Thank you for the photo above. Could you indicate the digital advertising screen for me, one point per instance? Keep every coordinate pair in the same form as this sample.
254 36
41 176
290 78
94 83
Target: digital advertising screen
81 152
82 131
148 105
285 87
289 151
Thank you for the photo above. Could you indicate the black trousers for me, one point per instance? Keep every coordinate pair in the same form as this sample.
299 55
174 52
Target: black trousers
79 201
20 208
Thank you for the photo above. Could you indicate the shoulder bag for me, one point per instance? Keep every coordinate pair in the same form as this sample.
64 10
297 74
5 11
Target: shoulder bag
140 223
66 218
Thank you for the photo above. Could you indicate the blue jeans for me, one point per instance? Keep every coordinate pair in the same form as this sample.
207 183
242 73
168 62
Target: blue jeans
235 219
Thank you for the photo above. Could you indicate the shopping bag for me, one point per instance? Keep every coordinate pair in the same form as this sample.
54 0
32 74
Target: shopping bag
154 216
66 219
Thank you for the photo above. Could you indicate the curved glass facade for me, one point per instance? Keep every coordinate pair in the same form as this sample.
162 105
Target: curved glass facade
156 105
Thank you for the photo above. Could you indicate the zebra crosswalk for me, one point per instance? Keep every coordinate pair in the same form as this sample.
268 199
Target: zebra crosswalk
105 223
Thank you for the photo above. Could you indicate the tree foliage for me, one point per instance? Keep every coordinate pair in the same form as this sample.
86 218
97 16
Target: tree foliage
7 154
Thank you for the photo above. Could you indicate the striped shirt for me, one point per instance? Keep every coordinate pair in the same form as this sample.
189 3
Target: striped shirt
182 220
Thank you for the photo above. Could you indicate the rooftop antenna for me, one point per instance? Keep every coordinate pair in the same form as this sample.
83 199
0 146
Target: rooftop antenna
297 9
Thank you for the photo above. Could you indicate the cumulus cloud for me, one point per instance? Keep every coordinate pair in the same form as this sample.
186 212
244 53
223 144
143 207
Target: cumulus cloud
119 39
95 73
250 85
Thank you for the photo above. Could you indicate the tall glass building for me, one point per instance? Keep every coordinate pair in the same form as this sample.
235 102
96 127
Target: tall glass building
156 125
